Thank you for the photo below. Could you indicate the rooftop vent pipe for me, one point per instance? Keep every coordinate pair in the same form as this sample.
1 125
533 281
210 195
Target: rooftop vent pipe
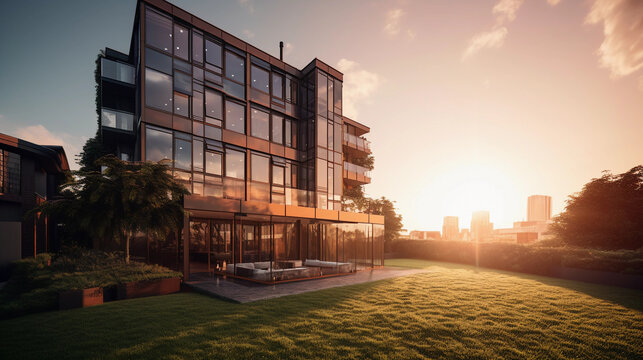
281 50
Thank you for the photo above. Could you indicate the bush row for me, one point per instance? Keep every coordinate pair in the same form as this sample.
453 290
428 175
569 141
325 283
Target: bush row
532 259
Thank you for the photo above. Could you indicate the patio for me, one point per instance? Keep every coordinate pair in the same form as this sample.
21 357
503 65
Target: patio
243 291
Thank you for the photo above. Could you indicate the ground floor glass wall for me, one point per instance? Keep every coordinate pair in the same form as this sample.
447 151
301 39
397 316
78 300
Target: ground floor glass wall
269 249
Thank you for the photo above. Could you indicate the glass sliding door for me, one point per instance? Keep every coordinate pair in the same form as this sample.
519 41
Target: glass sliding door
220 244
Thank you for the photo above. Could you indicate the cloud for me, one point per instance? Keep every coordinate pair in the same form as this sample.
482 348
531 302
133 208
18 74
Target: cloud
392 25
38 134
504 12
249 34
490 39
622 49
248 5
359 85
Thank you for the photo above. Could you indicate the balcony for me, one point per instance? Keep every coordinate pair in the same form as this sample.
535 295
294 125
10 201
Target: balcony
356 175
356 144
117 119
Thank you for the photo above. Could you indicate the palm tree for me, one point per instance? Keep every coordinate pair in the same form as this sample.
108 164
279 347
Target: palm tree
121 200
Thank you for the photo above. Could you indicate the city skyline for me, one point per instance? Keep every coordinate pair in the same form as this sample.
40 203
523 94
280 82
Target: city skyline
492 116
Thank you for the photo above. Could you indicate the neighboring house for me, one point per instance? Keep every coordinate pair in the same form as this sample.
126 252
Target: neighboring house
262 147
29 175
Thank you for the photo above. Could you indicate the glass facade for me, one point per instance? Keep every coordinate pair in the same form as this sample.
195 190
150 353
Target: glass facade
211 107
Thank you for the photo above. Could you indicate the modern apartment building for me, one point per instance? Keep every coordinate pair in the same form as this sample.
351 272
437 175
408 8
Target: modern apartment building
262 147
29 175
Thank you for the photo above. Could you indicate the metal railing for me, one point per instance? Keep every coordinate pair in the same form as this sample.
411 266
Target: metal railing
357 142
359 170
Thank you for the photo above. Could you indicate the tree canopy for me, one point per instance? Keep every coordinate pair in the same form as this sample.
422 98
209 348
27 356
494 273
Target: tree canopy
120 201
606 214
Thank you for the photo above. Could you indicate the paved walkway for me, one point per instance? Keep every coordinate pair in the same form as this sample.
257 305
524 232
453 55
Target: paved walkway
242 291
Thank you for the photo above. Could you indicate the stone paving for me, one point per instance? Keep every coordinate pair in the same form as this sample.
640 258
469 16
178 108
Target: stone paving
243 291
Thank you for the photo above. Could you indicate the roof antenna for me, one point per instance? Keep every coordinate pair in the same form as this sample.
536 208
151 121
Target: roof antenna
281 50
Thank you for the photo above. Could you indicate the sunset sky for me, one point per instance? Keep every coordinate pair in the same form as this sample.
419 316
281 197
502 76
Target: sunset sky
472 105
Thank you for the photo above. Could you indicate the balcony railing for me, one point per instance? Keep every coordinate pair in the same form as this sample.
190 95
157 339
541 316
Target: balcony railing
357 142
117 119
359 170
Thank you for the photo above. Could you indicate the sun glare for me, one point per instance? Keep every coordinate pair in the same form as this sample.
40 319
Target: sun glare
472 188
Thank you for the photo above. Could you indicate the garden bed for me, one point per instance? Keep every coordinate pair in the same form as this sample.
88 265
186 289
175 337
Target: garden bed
70 279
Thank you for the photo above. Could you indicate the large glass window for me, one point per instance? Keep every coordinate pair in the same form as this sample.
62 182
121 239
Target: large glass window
158 90
278 129
322 130
181 104
259 78
158 144
291 90
259 168
213 132
197 155
330 94
213 106
290 130
182 152
235 117
158 30
197 47
158 61
9 172
197 105
235 164
322 94
213 163
322 175
183 83
259 124
277 175
181 42
277 85
213 53
338 95
235 67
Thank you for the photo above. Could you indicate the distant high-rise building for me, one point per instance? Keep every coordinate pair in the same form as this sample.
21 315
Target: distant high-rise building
450 228
538 208
465 235
481 228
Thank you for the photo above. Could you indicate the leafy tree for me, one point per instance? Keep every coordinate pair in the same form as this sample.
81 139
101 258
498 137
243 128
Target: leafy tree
124 199
606 214
392 220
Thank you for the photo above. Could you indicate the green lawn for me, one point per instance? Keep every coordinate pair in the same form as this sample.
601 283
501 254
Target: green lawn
453 311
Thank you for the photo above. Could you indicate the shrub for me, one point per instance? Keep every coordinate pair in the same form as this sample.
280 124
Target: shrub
535 259
36 282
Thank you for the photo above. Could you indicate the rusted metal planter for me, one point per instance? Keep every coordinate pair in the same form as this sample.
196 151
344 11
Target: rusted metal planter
80 298
138 289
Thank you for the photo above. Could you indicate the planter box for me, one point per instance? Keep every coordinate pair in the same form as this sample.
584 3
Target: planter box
110 293
138 289
80 298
